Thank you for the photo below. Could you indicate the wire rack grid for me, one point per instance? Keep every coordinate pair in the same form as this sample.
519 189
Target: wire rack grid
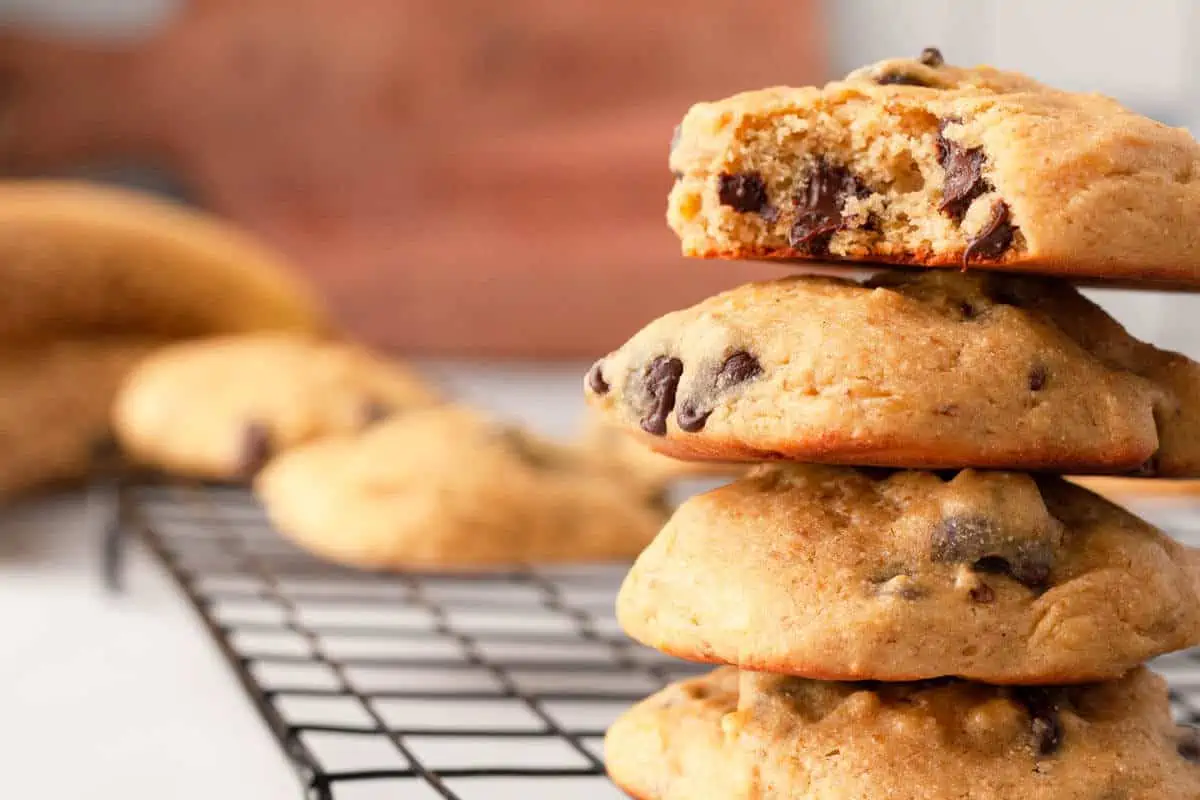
433 685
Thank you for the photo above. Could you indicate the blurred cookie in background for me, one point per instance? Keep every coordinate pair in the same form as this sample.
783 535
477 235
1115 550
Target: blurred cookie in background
54 406
220 408
78 259
449 488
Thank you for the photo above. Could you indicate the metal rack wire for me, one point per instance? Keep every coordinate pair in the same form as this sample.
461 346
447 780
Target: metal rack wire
424 686
404 685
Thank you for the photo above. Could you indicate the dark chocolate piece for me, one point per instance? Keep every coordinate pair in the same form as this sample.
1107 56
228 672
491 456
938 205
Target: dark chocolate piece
595 378
819 208
255 449
994 239
661 383
745 192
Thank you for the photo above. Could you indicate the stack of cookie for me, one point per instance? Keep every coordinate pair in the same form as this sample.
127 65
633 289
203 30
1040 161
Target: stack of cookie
916 605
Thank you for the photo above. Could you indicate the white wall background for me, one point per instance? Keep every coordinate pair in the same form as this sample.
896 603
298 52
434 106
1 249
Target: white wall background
1140 51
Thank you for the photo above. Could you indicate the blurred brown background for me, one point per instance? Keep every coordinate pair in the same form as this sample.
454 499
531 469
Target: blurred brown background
461 177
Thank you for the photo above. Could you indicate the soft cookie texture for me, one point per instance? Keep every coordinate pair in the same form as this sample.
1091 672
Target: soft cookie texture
448 489
912 369
54 405
727 736
919 162
79 260
845 574
220 408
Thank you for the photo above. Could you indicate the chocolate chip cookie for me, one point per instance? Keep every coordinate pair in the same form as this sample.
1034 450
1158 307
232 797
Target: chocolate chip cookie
446 488
219 408
846 574
78 260
54 406
727 736
915 161
912 369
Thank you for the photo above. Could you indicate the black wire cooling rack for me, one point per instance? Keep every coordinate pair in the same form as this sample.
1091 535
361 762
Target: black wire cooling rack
477 687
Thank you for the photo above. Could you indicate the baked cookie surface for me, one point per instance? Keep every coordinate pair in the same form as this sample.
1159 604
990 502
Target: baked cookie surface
54 407
81 260
912 369
447 488
844 574
219 408
727 736
914 161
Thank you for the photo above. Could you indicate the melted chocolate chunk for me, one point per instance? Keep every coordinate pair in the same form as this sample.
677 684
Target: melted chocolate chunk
1042 705
745 192
1188 745
819 208
690 418
967 310
374 411
982 594
978 541
994 239
661 384
1037 378
528 451
899 79
964 175
931 57
255 449
595 379
738 368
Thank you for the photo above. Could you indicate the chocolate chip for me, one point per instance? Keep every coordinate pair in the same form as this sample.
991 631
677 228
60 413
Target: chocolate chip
527 450
982 594
964 174
691 418
899 79
931 57
1042 705
1188 745
966 310
995 237
738 368
661 383
819 208
374 411
745 191
1037 378
255 449
595 379
978 541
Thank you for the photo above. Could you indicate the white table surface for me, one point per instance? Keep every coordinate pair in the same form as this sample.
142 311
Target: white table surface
125 696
